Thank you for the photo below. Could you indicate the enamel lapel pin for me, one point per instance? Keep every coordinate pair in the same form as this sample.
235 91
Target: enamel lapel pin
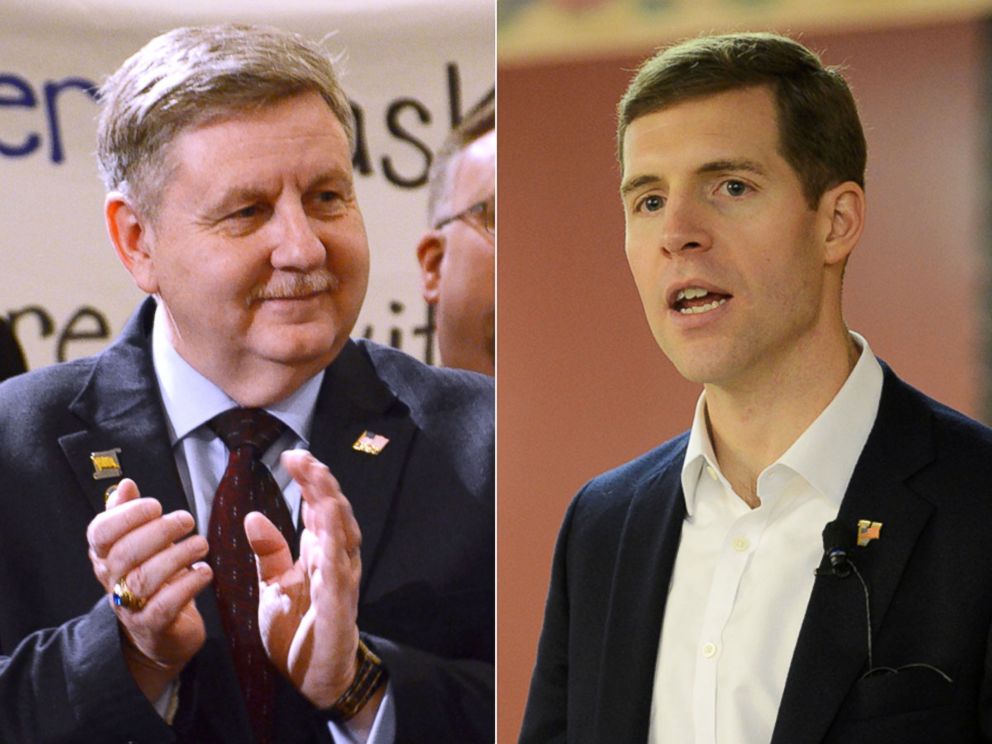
868 531
106 464
370 443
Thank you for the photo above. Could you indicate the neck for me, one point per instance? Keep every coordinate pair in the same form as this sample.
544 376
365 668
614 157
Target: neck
752 424
258 386
251 381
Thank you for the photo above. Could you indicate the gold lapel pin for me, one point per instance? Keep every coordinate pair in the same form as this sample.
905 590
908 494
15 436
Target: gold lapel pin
106 464
868 531
370 443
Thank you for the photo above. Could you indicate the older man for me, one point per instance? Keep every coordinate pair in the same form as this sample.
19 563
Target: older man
692 599
457 257
144 487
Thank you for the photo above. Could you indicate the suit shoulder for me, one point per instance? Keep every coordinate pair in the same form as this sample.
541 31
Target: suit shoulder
960 431
46 388
421 385
613 489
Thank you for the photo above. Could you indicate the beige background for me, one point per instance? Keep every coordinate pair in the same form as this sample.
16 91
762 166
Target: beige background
582 387
54 250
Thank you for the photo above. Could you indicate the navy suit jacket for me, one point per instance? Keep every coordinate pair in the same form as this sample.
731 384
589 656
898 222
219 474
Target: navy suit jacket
925 473
424 505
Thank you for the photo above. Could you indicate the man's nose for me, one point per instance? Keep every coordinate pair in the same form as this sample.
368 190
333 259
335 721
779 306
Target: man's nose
297 243
684 227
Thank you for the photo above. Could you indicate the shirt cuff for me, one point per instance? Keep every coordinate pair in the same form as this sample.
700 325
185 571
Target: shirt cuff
383 729
168 703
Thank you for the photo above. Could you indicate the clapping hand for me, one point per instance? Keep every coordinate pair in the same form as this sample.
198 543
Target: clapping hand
163 571
308 609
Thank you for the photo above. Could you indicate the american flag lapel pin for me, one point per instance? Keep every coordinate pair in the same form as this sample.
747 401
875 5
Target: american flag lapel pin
106 464
868 531
370 443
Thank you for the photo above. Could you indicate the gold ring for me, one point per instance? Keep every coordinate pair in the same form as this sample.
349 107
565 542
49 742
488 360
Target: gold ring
124 597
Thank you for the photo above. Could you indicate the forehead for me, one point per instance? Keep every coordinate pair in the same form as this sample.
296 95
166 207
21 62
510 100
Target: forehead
475 167
730 125
295 135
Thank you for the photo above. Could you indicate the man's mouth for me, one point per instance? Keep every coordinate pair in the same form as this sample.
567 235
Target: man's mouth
695 300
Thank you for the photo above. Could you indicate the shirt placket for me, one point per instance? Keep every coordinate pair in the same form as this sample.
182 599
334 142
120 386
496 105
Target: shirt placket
739 543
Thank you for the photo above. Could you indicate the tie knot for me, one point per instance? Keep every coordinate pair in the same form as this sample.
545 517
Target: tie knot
250 427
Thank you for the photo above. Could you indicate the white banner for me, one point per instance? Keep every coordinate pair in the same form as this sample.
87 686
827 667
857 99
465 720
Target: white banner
410 68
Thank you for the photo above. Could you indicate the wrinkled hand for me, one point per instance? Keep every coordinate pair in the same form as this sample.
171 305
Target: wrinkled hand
134 540
307 610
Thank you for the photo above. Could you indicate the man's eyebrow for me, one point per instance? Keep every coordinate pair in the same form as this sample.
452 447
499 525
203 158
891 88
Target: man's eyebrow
237 195
714 166
334 177
736 164
635 183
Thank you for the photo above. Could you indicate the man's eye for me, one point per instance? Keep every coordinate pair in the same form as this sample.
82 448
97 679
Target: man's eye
246 213
735 188
651 203
326 202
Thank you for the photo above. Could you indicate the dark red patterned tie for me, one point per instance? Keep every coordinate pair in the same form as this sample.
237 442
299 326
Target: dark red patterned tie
247 486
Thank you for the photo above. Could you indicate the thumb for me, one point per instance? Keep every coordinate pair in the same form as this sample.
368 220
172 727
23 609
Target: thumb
271 550
126 490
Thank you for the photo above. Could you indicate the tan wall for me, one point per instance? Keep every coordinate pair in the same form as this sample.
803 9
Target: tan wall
582 387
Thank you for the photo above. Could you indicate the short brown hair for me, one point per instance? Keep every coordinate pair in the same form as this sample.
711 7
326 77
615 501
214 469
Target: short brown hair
820 132
477 122
189 76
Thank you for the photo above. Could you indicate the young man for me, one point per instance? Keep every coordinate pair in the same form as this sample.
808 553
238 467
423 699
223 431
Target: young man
692 599
226 152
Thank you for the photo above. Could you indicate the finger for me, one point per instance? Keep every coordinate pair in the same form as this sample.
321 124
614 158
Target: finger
162 609
141 543
272 555
330 559
108 527
147 578
315 479
101 571
334 516
126 490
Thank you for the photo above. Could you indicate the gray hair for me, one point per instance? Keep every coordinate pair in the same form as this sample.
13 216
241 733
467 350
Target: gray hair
189 76
478 121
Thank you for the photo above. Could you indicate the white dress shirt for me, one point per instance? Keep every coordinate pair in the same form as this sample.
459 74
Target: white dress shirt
743 577
190 401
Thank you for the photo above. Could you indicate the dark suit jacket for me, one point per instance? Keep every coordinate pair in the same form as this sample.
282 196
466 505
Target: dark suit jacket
11 357
925 473
424 505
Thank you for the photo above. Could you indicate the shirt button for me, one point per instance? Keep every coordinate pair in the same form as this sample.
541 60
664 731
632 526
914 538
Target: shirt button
709 650
741 544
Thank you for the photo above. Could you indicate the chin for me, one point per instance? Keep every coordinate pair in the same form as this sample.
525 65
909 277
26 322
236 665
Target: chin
301 349
700 370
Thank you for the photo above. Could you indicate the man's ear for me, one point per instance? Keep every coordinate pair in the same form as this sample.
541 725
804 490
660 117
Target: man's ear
430 254
130 235
843 212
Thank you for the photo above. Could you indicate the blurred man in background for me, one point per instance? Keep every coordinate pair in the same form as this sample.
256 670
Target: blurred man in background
457 255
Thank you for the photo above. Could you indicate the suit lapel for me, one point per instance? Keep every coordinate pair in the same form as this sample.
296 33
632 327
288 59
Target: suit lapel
353 400
831 651
119 407
641 576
